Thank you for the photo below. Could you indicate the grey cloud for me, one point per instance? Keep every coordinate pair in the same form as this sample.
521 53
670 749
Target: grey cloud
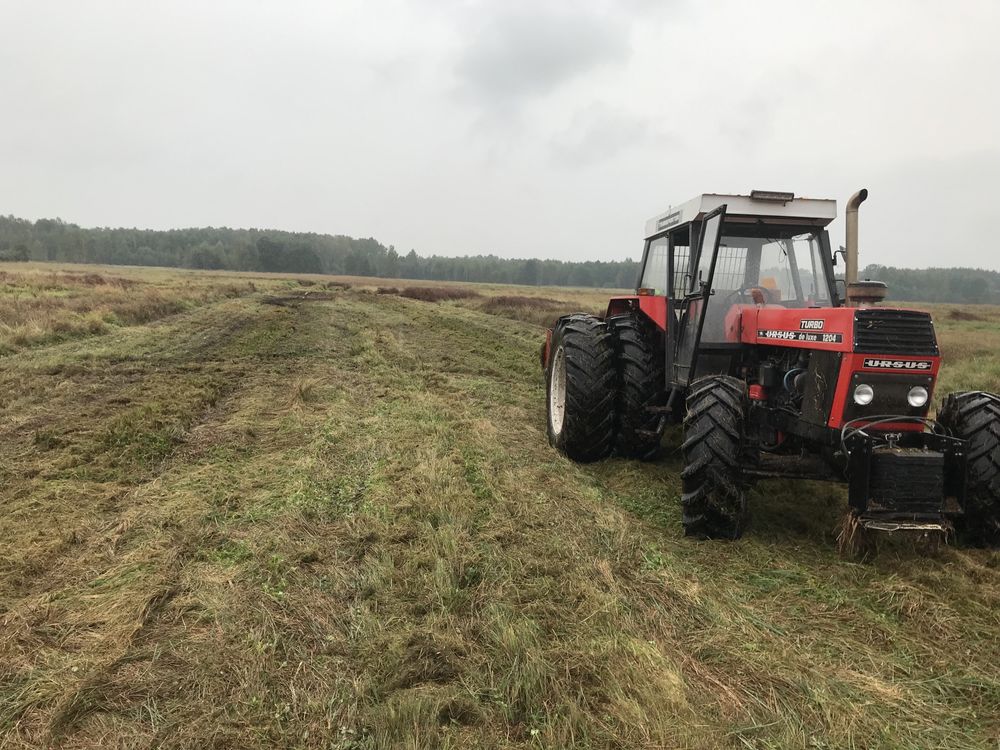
932 212
524 51
600 133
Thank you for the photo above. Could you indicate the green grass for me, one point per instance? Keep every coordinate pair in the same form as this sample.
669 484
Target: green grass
337 524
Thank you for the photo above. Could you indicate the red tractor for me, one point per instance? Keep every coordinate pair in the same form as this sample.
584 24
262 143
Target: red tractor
739 331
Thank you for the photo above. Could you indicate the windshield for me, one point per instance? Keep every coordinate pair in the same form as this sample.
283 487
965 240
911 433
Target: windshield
787 266
776 266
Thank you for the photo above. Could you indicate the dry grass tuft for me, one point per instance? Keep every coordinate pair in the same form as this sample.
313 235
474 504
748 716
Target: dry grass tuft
964 315
287 300
853 539
38 307
515 300
538 310
437 293
305 390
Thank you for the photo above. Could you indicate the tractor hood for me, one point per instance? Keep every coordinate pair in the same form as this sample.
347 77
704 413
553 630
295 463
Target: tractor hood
895 334
829 328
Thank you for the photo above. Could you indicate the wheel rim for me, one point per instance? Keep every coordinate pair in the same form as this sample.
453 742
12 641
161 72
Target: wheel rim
557 391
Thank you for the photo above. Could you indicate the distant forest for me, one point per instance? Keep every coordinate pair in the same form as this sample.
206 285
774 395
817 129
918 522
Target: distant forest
972 285
298 252
288 252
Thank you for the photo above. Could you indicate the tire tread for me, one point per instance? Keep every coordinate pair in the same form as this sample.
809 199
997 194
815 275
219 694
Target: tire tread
714 494
589 423
640 370
975 417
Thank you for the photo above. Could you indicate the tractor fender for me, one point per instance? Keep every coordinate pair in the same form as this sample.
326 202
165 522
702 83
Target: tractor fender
546 347
652 306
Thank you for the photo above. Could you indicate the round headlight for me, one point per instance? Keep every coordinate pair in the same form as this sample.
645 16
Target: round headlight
917 396
863 394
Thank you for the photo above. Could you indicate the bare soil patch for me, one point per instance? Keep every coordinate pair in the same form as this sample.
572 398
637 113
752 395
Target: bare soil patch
964 315
437 293
294 299
494 304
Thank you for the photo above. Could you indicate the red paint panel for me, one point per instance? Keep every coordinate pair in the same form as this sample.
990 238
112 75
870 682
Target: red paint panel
826 328
654 308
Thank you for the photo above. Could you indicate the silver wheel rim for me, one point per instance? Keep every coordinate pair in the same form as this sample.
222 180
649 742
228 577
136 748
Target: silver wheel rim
557 392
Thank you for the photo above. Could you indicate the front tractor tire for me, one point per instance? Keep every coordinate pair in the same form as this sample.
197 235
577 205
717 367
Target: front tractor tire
580 380
975 417
714 502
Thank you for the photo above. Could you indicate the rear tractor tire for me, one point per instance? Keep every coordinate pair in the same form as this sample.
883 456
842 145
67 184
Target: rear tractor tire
641 382
714 502
975 416
580 380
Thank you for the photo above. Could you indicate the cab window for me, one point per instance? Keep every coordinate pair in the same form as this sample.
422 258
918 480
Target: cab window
680 240
777 274
654 275
787 266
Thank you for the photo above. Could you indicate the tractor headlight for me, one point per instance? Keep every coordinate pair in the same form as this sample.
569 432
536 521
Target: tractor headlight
917 396
863 394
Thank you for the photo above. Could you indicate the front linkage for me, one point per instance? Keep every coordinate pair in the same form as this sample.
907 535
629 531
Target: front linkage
903 480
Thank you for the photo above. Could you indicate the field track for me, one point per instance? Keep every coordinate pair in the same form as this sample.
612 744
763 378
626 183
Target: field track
290 517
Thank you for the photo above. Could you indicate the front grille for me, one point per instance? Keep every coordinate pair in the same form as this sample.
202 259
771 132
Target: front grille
879 331
891 390
906 481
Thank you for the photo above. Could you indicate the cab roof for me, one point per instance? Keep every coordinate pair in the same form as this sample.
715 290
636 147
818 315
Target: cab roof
782 208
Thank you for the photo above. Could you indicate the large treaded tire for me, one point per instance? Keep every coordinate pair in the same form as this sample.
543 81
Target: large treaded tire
639 363
582 356
714 491
975 417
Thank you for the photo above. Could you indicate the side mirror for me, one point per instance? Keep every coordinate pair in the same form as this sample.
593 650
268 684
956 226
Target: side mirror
841 251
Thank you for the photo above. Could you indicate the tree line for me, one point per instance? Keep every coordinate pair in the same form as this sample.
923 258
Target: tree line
971 285
289 252
304 252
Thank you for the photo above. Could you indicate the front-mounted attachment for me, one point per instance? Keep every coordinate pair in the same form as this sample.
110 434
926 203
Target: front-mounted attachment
903 480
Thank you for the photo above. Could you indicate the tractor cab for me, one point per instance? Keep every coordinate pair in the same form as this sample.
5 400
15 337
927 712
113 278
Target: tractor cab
765 250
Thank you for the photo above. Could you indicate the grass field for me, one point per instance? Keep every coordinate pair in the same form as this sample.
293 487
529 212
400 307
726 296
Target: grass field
244 511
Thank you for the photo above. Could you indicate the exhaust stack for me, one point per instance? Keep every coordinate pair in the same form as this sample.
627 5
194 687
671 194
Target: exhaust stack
851 219
858 292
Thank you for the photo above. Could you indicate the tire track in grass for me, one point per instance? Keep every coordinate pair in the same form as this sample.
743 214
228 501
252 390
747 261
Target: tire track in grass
129 561
79 458
467 560
242 636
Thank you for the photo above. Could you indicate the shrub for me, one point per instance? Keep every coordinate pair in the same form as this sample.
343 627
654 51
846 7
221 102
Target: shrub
437 293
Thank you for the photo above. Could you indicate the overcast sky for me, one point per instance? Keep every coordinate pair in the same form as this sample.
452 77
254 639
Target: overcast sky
548 129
